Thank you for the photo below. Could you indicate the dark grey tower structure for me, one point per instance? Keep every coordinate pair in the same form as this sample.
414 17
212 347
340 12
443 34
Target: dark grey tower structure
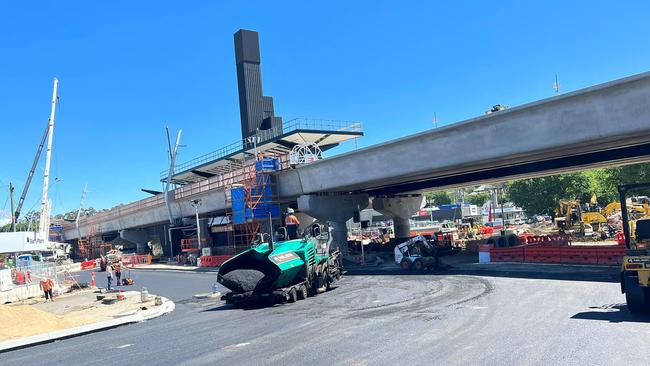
255 109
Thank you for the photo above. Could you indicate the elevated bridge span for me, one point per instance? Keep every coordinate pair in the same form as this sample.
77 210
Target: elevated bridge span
607 124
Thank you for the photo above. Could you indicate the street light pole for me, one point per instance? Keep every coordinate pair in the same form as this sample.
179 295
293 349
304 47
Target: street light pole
196 203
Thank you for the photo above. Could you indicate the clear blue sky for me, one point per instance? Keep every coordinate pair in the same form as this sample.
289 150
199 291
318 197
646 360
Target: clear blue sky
128 68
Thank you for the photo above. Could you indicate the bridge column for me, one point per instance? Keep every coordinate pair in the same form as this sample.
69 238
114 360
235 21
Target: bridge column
400 208
336 210
137 236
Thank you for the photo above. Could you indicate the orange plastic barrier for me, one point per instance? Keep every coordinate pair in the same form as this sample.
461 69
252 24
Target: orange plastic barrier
539 253
134 260
214 260
88 264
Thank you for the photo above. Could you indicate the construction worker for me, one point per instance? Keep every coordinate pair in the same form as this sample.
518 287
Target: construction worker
291 222
109 276
46 284
118 271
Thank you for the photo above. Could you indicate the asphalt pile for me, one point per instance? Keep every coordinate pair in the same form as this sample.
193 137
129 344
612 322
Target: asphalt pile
242 280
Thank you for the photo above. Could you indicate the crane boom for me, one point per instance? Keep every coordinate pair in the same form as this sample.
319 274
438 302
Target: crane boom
21 201
44 222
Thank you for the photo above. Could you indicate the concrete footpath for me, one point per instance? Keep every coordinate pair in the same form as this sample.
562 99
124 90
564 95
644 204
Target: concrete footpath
37 322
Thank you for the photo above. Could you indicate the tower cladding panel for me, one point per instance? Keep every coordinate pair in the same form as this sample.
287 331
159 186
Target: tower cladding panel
255 109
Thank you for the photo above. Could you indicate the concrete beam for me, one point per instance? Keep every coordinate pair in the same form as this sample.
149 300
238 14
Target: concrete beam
597 119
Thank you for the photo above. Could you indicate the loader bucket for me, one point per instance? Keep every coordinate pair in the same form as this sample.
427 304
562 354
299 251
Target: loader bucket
248 271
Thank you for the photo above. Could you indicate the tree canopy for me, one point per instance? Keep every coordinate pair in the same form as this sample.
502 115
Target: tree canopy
438 198
541 195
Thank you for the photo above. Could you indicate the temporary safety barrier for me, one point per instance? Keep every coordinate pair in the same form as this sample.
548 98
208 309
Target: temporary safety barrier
606 255
553 239
133 260
88 264
214 260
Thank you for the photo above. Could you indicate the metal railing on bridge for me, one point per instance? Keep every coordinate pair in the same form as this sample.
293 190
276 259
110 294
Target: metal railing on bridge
266 135
221 180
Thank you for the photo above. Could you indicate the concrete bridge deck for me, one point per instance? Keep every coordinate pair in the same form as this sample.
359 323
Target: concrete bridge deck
606 124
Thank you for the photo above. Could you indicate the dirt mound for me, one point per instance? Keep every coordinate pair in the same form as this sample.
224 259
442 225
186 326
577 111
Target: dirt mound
23 321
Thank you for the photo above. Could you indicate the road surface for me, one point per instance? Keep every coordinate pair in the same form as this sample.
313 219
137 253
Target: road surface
371 320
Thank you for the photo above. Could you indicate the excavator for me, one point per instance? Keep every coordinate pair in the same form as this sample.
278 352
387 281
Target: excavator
635 209
569 215
635 267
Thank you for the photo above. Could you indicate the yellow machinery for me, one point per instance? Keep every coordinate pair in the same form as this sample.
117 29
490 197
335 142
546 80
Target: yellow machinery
635 267
636 209
594 218
568 214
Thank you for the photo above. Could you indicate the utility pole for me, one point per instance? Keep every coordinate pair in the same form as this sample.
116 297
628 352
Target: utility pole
46 173
11 198
196 203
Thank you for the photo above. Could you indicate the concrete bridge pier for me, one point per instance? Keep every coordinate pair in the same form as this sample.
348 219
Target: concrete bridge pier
138 236
336 210
400 208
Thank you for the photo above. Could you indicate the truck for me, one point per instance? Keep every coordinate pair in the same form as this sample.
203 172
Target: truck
281 271
635 266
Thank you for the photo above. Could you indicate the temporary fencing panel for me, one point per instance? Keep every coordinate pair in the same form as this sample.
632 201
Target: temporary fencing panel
134 260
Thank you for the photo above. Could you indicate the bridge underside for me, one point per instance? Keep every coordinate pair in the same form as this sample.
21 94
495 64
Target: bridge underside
613 157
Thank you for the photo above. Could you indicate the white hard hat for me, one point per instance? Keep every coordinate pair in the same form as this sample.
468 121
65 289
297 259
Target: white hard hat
290 210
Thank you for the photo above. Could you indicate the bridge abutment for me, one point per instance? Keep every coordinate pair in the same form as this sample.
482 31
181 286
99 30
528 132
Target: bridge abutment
400 209
336 210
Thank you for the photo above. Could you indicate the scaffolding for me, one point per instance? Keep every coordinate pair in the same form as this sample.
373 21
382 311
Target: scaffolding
250 200
93 246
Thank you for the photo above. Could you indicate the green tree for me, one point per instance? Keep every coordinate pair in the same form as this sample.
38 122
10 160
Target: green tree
541 195
478 199
438 198
628 174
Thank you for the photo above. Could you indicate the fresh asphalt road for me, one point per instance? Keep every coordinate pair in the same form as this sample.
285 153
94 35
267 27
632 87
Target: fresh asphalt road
442 318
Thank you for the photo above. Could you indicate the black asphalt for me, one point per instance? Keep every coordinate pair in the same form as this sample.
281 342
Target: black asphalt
382 319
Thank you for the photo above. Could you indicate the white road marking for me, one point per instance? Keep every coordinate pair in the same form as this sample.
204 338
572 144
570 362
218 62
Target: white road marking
125 346
238 345
479 307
